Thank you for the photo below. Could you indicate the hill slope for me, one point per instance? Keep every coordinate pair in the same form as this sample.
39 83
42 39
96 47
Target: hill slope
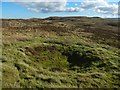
62 52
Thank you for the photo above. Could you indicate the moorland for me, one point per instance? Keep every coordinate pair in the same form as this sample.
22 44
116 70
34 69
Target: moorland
60 52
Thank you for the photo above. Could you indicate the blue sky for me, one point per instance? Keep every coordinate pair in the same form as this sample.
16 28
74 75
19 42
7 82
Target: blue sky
16 10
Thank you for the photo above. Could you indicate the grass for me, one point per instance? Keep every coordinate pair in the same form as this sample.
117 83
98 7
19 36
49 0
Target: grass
76 58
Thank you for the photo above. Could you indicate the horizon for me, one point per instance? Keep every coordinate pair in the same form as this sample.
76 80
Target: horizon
60 17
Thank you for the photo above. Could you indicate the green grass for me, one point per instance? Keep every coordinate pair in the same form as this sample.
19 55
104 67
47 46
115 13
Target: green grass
59 65
60 59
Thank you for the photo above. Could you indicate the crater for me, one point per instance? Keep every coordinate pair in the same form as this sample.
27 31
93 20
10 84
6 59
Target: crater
62 57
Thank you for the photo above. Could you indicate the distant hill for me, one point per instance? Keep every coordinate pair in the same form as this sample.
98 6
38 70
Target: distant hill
113 18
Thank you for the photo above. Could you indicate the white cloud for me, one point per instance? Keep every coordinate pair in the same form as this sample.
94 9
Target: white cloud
73 9
110 9
88 4
76 4
44 6
48 6
38 0
100 6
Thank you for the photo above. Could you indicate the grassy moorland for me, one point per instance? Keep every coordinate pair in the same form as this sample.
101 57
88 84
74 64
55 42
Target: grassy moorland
60 52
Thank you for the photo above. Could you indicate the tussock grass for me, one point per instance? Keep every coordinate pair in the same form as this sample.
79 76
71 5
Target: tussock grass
71 52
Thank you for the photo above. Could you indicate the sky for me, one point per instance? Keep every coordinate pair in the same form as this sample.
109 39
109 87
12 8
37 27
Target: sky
43 9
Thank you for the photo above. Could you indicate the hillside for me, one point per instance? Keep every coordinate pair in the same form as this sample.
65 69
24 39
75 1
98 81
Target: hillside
60 52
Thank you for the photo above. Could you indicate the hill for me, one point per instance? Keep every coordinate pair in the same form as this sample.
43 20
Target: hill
60 52
113 18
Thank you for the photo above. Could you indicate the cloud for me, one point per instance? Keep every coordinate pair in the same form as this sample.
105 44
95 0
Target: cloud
89 4
45 6
108 9
38 0
48 6
76 4
100 6
73 9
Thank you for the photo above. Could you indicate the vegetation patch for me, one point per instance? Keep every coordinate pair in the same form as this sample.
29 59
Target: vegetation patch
60 52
